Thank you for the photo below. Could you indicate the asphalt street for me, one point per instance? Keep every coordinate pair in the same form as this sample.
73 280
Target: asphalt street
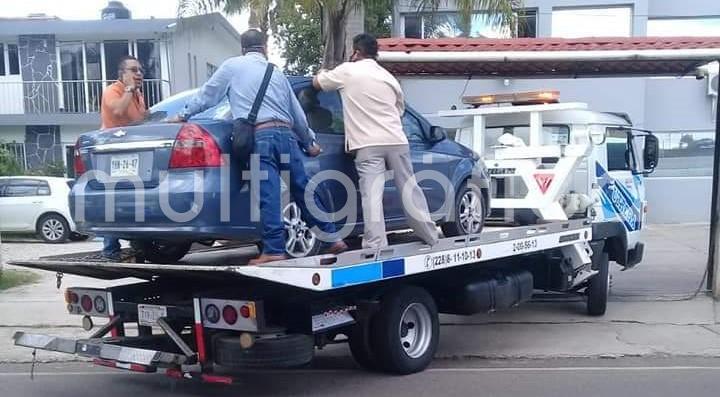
596 377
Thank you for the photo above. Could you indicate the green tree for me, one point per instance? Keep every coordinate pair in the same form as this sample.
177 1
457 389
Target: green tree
299 38
334 15
8 165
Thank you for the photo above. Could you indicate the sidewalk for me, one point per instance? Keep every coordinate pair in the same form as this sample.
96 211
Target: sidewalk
649 313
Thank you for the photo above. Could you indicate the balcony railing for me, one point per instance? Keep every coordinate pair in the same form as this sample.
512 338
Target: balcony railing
69 97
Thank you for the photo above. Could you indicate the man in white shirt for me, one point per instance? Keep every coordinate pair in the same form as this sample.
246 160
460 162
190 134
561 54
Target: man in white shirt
373 106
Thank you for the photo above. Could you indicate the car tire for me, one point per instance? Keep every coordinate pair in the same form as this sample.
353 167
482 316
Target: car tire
53 228
300 241
163 252
285 351
468 213
405 331
79 237
598 289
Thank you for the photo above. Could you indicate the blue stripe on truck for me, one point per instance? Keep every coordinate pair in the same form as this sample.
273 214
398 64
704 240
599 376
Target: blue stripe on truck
367 273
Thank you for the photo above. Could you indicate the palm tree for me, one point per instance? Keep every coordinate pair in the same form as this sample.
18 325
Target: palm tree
335 15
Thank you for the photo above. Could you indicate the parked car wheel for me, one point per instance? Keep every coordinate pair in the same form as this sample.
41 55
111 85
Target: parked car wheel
78 237
53 228
405 331
162 252
468 216
300 241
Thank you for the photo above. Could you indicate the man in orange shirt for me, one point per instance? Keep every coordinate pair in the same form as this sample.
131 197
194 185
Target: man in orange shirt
122 104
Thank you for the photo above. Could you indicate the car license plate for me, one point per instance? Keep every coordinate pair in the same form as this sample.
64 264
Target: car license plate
124 165
149 314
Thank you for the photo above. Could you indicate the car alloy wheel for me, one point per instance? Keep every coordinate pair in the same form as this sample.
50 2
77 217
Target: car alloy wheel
53 229
471 212
300 240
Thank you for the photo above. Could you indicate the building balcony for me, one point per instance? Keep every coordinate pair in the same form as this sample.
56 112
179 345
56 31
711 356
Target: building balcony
68 101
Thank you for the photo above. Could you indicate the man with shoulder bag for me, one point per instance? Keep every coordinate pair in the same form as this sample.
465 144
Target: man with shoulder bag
270 120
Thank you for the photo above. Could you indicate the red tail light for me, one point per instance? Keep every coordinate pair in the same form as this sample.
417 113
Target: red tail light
230 315
194 147
86 303
245 311
78 163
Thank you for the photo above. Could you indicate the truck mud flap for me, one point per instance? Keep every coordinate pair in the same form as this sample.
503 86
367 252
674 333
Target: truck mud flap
108 352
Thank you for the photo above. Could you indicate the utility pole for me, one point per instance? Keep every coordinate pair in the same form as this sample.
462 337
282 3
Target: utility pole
713 269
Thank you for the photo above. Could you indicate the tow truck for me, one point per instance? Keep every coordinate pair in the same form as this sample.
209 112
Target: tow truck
561 213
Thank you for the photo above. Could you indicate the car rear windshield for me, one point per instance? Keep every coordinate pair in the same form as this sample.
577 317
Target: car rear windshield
173 105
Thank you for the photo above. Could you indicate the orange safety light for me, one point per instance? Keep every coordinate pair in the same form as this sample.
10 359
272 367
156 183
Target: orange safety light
517 98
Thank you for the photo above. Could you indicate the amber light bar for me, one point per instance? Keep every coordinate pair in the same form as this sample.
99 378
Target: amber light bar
516 98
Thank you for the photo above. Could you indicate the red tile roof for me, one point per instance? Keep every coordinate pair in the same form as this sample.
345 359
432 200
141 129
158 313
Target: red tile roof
547 68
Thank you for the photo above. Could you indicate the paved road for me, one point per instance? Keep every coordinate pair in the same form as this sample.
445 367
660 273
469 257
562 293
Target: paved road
620 377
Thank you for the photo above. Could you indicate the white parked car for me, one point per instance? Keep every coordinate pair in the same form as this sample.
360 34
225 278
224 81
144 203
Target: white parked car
37 204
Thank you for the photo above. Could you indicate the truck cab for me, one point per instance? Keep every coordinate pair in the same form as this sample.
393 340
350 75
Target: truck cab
607 183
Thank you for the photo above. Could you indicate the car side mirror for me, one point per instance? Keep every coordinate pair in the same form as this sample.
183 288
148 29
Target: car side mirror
437 134
651 153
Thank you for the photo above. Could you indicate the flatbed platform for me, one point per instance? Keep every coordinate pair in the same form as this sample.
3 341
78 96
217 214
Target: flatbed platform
329 272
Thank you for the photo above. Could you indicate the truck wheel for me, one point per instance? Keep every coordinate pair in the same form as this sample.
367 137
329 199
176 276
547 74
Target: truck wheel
599 287
360 345
405 331
468 215
163 252
285 351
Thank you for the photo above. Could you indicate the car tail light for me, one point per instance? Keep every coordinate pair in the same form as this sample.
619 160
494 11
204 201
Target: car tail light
230 315
194 147
71 297
78 163
86 303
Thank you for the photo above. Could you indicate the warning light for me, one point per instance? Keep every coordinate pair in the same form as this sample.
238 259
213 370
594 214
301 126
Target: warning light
544 181
517 98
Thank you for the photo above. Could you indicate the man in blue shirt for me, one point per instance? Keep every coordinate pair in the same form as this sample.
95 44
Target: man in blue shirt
281 125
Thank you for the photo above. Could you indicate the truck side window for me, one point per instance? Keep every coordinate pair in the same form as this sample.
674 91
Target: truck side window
618 150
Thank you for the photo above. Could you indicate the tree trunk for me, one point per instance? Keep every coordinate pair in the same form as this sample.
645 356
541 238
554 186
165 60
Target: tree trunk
334 21
259 18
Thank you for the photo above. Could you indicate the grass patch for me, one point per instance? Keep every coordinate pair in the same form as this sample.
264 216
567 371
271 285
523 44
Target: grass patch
15 278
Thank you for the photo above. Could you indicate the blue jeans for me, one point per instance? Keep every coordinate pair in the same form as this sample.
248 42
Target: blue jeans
111 247
270 145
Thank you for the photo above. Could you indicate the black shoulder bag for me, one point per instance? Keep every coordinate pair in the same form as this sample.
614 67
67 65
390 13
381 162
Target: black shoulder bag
243 136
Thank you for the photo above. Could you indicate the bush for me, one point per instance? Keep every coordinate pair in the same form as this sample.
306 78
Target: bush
51 169
8 165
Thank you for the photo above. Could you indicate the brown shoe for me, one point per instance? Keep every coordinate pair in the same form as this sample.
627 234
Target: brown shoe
336 248
265 258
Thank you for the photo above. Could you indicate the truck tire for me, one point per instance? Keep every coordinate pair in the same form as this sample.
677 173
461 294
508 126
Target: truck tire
285 351
405 331
360 345
598 289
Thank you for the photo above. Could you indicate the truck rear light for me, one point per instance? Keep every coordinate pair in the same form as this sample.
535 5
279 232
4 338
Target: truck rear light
194 147
86 303
212 314
71 297
230 315
78 163
245 311
100 304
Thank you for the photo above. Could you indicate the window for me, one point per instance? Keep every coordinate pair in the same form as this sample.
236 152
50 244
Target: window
114 51
71 70
684 27
619 157
413 129
176 103
481 24
13 59
327 114
685 153
592 22
2 59
148 53
26 187
211 69
551 135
